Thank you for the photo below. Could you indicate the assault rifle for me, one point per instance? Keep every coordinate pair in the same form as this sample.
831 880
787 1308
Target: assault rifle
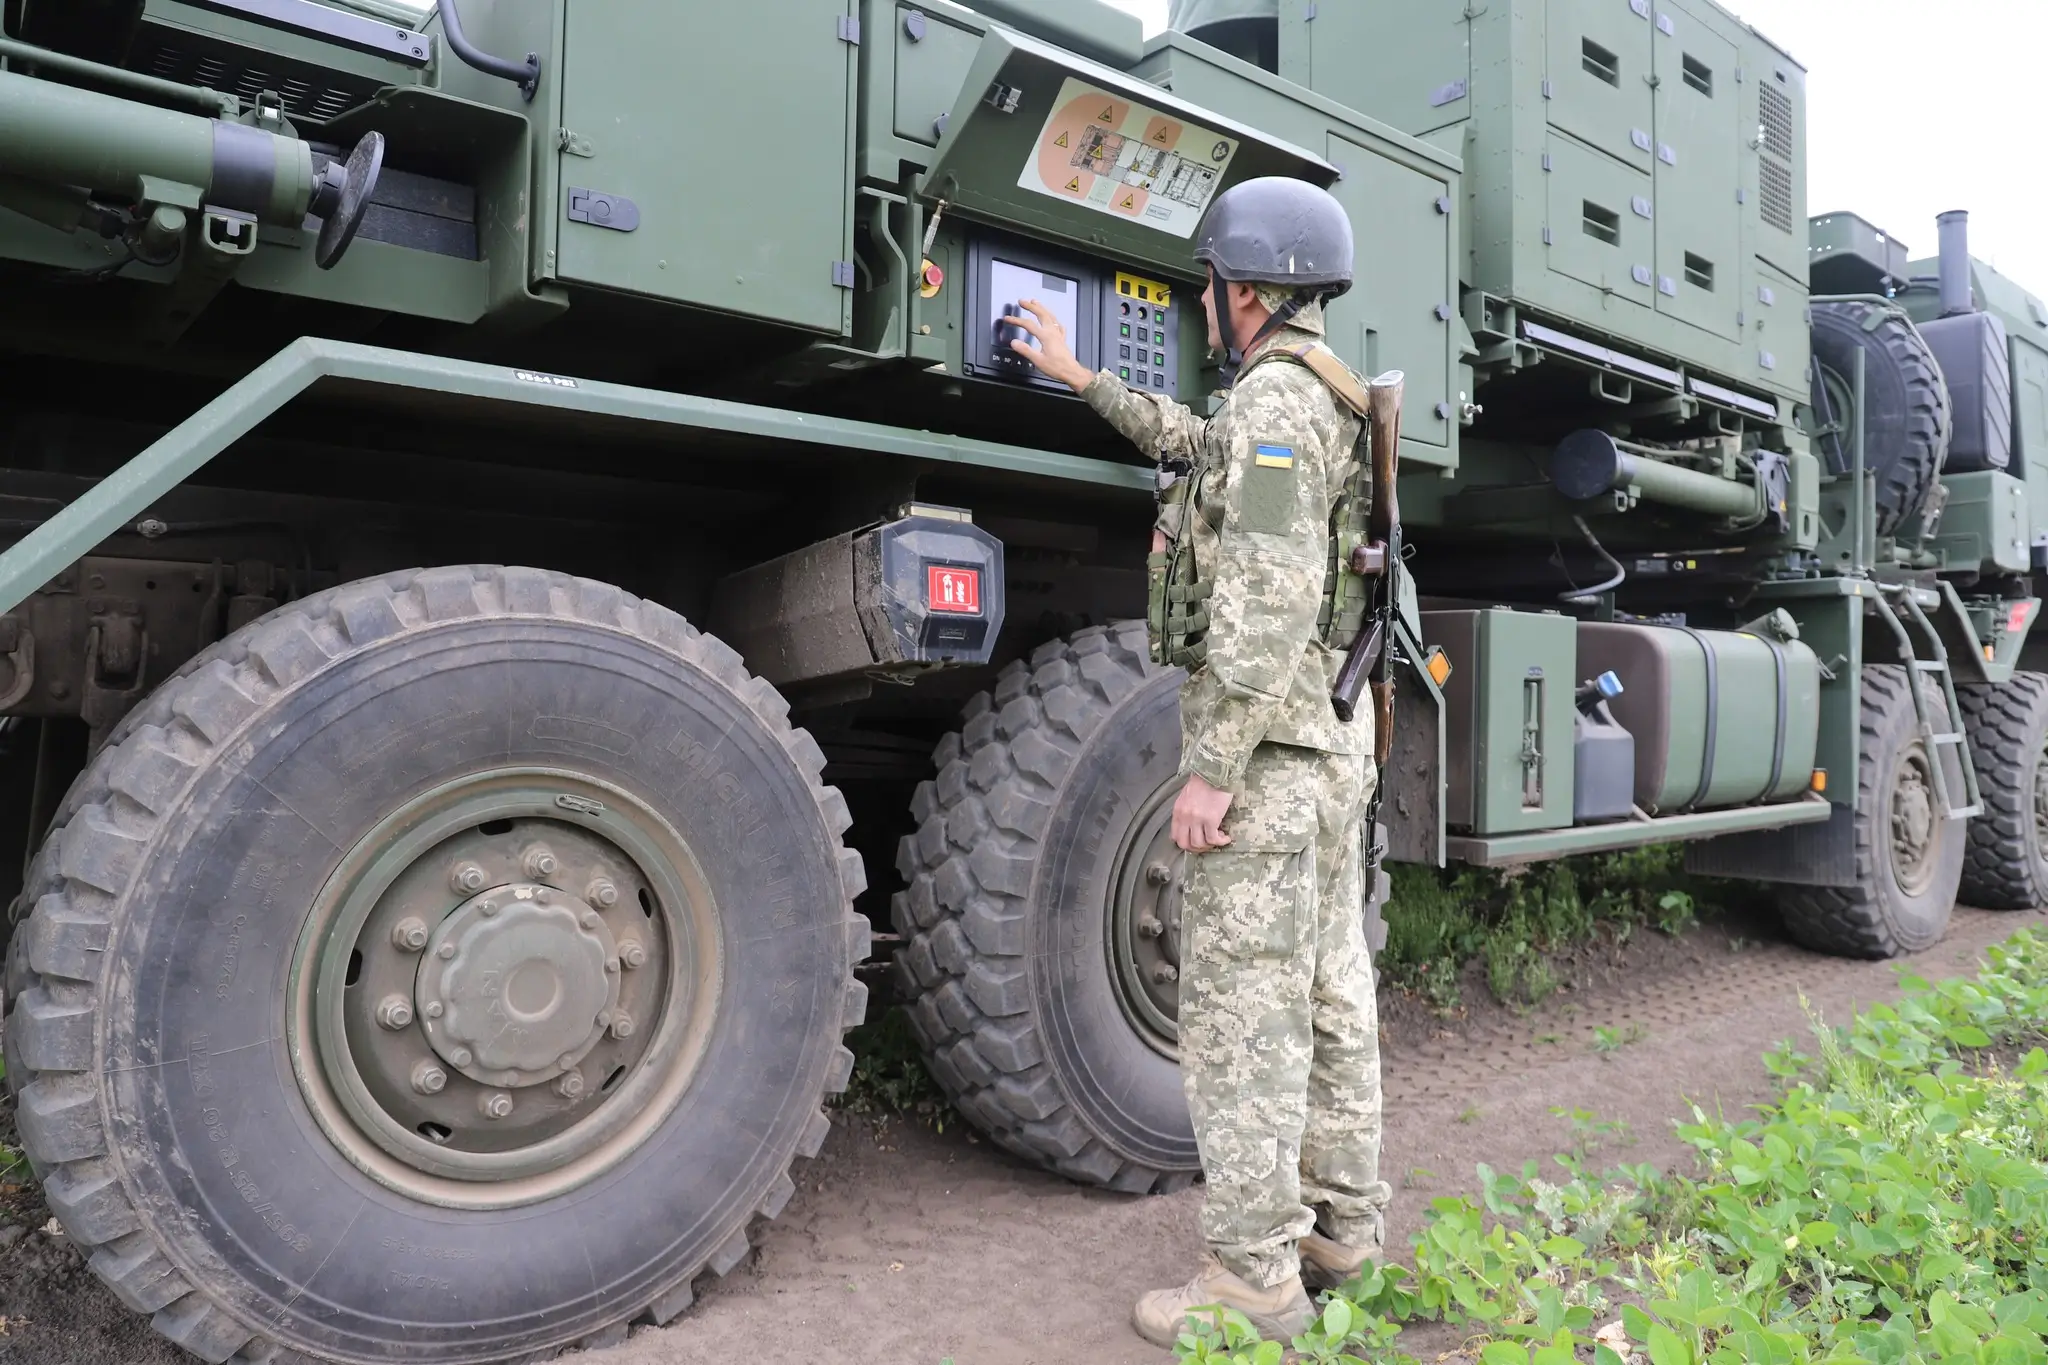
1370 661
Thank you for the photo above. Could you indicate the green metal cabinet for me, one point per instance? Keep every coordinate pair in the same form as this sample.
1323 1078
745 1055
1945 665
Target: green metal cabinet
739 175
1508 711
1634 169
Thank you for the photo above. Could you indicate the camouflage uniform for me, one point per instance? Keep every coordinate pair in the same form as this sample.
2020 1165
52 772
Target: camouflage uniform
1278 1028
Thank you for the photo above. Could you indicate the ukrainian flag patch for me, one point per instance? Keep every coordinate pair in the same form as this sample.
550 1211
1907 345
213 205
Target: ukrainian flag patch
1274 457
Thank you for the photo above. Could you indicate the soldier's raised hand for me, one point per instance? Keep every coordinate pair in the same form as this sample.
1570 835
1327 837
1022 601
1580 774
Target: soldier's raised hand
1053 354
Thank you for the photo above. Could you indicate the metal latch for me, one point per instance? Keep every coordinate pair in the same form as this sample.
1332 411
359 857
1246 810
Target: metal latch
599 209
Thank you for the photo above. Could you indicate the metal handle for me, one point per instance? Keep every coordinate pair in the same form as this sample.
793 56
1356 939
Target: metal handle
527 76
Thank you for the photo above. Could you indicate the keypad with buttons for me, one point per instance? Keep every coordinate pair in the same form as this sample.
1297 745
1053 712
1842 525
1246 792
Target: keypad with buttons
1146 317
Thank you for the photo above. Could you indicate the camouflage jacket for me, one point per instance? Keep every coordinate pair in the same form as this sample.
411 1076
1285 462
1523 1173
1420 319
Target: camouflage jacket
1266 470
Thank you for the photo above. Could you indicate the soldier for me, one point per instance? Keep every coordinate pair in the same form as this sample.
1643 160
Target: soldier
1278 1030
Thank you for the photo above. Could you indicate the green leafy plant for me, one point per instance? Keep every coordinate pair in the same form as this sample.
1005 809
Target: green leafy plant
889 1076
1890 1208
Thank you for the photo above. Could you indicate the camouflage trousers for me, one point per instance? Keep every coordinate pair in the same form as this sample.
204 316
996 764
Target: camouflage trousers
1279 1033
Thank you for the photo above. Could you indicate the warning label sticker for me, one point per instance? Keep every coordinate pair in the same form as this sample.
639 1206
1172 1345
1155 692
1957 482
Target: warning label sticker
1121 158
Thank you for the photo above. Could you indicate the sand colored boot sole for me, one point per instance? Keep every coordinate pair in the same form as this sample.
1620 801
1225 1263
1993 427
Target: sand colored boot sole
1280 1313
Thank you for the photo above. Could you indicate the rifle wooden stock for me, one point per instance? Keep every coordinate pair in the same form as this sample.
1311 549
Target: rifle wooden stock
1381 558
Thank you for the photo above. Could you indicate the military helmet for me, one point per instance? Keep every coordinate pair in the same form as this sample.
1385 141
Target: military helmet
1280 231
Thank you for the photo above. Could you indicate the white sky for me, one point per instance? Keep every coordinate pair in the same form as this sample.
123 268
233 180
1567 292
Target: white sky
1917 106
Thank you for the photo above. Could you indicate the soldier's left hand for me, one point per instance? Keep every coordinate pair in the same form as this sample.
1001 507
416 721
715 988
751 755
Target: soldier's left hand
1198 817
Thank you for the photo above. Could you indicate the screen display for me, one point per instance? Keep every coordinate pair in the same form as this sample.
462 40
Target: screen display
1012 284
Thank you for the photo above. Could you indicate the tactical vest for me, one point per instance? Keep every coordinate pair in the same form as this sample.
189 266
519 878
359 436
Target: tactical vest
1178 589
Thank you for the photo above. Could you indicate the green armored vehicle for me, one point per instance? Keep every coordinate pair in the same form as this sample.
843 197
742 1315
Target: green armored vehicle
530 569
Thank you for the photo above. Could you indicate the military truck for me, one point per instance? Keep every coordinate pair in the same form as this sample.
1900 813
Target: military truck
532 572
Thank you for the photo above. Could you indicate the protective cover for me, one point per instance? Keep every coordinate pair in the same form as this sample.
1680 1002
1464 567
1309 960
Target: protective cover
1976 360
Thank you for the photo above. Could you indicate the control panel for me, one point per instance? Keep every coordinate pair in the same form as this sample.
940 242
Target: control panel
1115 320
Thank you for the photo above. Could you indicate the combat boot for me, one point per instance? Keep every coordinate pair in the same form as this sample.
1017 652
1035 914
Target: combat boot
1281 1313
1326 1264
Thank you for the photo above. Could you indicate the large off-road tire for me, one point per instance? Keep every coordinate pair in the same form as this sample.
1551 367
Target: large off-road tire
1042 914
1906 410
2007 723
294 904
1909 858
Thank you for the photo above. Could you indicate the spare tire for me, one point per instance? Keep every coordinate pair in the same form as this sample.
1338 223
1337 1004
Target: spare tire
1906 409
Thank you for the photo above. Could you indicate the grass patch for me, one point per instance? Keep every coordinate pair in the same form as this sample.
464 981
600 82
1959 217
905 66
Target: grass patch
1440 921
890 1078
1891 1207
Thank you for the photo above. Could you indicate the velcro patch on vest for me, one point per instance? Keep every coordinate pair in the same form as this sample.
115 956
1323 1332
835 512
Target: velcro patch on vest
1267 504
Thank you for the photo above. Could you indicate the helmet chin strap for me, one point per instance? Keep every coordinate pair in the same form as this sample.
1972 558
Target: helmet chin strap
1226 326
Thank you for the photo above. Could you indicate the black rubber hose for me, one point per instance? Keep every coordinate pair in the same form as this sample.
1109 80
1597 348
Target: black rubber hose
526 76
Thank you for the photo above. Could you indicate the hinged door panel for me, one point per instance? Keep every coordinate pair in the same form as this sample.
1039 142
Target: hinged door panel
1398 319
1597 81
718 168
1699 169
1602 228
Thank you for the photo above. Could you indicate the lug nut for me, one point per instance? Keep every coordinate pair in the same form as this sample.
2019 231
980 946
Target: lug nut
460 1056
1159 874
539 862
622 1025
409 935
429 1079
602 893
632 954
394 1011
1165 972
1150 928
570 1085
468 878
495 1104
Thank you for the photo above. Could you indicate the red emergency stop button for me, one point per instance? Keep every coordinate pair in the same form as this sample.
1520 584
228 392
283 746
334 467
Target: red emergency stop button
957 591
930 279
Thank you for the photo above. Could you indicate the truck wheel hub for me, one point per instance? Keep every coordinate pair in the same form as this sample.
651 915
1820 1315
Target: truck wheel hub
1145 923
526 980
1913 822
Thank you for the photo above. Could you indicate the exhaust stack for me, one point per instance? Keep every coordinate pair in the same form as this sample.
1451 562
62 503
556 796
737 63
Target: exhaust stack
1956 297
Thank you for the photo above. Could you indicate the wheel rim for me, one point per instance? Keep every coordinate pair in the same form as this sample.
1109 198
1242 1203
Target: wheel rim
1914 823
2041 801
1841 396
1145 923
503 987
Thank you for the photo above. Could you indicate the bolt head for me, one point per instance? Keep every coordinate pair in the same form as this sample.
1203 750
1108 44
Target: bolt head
542 896
487 908
461 1056
622 1025
1150 928
409 935
570 1085
1165 972
447 950
495 1104
590 919
603 893
1159 874
540 861
429 1079
611 965
632 954
467 877
394 1012
434 1009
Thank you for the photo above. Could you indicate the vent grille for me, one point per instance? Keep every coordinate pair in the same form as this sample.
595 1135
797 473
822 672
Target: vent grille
1777 121
1776 200
306 92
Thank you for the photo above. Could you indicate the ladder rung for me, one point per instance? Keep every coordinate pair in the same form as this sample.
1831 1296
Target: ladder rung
1966 813
1929 666
1948 739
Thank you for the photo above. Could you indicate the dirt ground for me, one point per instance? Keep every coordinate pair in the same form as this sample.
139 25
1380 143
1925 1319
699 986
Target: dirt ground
912 1248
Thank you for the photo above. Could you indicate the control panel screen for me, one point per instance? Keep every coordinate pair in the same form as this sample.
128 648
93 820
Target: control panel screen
1010 285
1115 320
